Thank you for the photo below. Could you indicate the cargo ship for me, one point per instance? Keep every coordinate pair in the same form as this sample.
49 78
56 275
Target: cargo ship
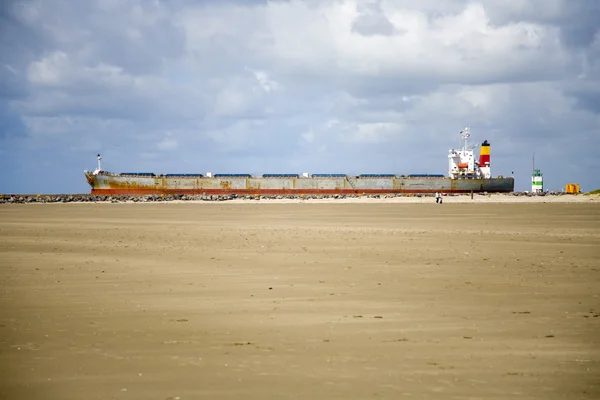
465 175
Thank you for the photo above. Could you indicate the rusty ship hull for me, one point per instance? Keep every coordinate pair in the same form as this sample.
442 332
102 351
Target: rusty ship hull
132 184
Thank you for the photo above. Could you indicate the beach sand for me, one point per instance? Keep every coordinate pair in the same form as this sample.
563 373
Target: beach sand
301 299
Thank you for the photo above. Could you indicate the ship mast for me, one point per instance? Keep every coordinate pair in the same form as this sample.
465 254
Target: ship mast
99 163
464 134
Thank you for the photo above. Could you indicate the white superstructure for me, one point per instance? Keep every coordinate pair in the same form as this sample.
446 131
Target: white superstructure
461 162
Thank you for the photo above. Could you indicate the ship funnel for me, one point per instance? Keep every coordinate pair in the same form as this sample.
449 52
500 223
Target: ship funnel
484 159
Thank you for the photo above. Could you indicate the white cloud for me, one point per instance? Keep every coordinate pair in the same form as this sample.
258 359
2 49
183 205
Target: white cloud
267 84
373 132
309 136
168 143
450 47
58 69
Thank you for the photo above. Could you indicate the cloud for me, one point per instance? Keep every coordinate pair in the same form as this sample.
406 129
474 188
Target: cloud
266 83
372 20
264 86
168 143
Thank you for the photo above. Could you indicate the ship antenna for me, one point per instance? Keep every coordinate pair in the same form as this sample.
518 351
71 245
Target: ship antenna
464 134
99 163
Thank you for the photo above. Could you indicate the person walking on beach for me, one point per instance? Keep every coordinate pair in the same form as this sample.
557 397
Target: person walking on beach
437 197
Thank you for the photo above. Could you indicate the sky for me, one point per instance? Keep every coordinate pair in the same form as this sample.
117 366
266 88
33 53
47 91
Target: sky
318 86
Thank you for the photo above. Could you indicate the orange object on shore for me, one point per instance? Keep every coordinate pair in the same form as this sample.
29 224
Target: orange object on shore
572 188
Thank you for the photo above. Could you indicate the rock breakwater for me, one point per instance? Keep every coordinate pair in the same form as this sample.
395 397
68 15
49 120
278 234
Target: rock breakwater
91 198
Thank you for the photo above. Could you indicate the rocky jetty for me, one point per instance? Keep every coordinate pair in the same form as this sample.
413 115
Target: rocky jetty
90 198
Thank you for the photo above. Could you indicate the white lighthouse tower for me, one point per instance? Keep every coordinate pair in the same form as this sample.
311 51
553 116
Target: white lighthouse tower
537 181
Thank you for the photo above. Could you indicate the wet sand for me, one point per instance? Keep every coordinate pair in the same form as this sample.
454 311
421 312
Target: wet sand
320 301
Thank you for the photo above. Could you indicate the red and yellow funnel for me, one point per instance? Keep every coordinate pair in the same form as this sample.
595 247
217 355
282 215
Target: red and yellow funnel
484 160
484 154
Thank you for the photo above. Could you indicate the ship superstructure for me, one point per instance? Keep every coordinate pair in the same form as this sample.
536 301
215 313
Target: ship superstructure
462 162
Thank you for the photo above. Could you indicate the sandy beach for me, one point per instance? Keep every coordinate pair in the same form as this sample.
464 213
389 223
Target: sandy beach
426 199
320 299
